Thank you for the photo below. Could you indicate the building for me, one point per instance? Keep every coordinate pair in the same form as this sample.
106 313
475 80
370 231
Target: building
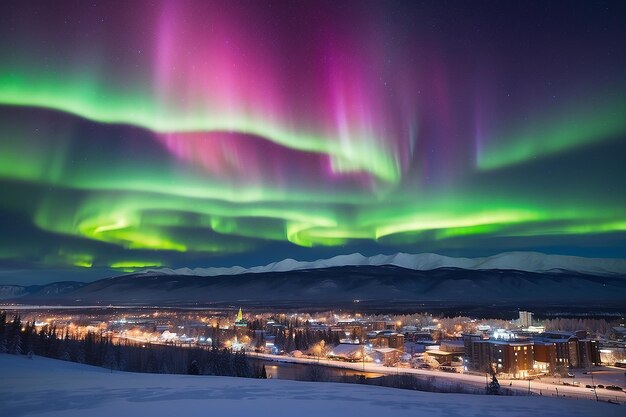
447 354
617 334
551 356
348 352
510 357
349 330
471 350
386 356
453 346
588 352
576 347
376 325
547 353
241 325
388 339
240 321
525 319
613 353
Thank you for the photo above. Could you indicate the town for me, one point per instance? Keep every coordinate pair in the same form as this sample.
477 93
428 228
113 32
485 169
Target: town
570 352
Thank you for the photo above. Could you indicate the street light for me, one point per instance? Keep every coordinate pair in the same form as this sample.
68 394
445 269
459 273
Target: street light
593 384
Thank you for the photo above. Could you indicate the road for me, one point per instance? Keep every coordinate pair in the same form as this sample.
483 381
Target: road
545 386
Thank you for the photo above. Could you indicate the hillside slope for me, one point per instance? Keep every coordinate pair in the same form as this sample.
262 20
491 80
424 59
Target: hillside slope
46 387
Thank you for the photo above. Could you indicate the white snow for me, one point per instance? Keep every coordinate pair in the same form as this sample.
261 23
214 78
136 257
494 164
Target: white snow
47 387
521 261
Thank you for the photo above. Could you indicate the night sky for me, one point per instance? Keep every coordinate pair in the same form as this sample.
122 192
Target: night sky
142 134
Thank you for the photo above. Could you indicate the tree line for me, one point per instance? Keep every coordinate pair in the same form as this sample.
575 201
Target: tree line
595 327
20 338
291 339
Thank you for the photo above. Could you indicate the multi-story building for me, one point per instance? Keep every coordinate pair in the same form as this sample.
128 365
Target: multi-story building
376 325
589 352
576 347
551 355
388 339
471 357
548 352
515 358
525 319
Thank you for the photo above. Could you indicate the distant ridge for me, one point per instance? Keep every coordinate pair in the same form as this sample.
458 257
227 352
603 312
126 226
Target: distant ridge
520 261
521 279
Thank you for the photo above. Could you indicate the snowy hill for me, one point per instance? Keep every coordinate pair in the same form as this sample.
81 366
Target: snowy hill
12 291
39 291
520 261
47 387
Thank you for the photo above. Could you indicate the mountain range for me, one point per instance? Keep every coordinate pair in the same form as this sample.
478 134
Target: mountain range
520 261
517 278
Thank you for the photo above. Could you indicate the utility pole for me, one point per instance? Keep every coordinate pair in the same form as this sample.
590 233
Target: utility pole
363 355
592 382
397 367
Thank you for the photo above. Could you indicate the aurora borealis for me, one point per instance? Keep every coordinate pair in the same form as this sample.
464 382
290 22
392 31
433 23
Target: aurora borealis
177 133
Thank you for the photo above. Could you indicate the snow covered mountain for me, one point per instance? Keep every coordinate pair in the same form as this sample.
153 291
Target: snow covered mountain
520 261
513 278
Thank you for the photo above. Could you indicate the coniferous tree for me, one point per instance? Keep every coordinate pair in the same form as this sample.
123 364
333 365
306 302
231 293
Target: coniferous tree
14 337
109 358
289 343
79 352
241 365
15 344
193 368
279 341
3 329
494 386
27 337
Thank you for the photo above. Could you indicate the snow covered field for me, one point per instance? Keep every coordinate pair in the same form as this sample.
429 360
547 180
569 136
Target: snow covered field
47 387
